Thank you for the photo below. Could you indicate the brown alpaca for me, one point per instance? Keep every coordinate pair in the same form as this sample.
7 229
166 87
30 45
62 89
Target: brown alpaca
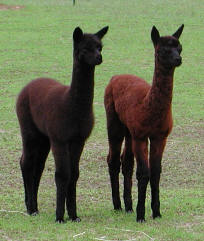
140 112
52 115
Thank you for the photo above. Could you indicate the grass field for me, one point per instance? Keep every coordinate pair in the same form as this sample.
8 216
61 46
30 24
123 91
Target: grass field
36 41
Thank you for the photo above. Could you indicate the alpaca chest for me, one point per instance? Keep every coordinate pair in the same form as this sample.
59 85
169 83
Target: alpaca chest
144 126
71 128
82 128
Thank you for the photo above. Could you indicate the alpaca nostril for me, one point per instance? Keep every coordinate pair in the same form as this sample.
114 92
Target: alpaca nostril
99 58
178 60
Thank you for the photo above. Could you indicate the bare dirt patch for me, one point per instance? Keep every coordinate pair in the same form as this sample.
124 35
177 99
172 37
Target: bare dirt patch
10 7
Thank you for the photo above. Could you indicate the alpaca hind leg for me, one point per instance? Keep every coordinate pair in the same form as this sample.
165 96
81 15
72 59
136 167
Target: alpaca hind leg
141 153
27 174
156 151
22 165
42 151
76 148
127 159
31 159
115 139
62 176
113 160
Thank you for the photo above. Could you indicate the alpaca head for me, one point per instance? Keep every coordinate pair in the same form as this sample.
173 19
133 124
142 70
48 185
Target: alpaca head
168 48
88 47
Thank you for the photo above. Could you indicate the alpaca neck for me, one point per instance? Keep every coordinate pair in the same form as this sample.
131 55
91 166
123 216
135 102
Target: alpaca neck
82 88
160 95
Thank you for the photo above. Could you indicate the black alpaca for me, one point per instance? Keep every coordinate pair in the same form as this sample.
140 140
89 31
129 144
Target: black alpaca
52 115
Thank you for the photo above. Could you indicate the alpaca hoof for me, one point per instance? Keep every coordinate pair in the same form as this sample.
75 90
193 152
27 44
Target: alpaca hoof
118 209
76 220
129 211
60 220
158 215
141 220
33 213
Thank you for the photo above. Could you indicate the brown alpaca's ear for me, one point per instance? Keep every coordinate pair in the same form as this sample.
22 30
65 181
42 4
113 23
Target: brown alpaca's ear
78 35
155 35
102 32
178 33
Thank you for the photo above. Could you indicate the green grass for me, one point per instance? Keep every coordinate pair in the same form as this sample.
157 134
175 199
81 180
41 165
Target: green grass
37 41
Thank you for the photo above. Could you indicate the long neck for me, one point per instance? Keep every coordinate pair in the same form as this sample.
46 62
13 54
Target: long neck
159 98
82 88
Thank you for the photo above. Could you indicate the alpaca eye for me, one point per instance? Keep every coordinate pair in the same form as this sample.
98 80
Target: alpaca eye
164 51
167 51
179 49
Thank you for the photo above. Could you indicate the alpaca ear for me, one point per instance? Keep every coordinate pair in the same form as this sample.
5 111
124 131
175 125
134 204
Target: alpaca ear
78 35
178 33
155 35
102 32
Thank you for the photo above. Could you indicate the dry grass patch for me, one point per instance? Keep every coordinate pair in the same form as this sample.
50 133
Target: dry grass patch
10 7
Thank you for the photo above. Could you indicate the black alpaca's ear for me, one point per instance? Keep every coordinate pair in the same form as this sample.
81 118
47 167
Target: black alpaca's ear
102 32
155 35
178 33
78 35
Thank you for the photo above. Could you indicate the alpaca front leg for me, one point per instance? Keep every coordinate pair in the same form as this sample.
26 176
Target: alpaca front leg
62 177
156 151
154 182
76 149
142 174
71 202
62 180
